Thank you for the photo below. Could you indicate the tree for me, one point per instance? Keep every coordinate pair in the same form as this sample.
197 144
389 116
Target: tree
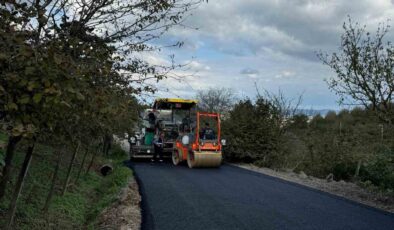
252 130
364 69
70 68
299 121
285 108
220 100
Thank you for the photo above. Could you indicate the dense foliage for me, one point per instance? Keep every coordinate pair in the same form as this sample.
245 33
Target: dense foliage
352 145
252 131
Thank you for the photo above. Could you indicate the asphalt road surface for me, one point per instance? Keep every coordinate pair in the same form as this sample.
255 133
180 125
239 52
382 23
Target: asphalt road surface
235 198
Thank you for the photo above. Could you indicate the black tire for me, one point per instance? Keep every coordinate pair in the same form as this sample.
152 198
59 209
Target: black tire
175 157
190 160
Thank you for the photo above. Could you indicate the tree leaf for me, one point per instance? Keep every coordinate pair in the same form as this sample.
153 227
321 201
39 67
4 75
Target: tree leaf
37 98
31 85
12 106
18 130
80 96
29 70
3 56
58 59
24 99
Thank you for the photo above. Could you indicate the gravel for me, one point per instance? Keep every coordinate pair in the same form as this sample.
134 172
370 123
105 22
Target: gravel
125 213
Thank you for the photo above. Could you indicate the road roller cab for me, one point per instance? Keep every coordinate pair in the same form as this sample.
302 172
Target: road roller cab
200 146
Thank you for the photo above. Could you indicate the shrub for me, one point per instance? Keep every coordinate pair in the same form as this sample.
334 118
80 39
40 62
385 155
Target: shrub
252 131
117 152
380 171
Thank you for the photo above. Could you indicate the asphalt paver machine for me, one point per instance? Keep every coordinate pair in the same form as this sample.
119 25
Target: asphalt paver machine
171 116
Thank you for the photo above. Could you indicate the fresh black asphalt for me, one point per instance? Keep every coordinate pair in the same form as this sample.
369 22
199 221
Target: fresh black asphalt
176 197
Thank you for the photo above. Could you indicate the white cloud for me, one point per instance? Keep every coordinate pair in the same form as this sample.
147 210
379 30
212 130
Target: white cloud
285 74
248 71
197 66
276 40
155 59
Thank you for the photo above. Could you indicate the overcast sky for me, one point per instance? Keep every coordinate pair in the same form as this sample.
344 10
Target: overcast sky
270 42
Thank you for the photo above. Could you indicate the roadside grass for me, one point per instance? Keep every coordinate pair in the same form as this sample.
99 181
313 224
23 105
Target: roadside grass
82 202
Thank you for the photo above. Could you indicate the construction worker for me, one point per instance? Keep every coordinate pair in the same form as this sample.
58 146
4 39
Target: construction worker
207 133
152 120
158 144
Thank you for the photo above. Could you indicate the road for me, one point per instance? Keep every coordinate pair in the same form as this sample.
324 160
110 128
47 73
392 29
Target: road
235 198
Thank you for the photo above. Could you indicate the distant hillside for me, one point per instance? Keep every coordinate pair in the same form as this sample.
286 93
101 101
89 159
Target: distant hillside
313 112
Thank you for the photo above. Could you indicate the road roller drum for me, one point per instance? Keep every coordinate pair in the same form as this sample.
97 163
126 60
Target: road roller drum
204 159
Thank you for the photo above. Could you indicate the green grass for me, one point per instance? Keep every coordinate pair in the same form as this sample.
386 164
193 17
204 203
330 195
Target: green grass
81 204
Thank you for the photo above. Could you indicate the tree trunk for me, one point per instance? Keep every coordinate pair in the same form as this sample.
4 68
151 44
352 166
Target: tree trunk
54 178
107 144
12 141
357 172
92 161
82 164
70 168
19 185
104 145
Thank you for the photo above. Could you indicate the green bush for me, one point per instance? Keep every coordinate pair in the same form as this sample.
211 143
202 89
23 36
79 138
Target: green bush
252 132
380 171
344 171
117 152
334 143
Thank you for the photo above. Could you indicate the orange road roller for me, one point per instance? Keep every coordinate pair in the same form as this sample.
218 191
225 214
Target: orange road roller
200 145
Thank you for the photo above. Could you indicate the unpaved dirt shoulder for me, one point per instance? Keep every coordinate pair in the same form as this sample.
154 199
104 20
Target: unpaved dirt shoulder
344 189
125 213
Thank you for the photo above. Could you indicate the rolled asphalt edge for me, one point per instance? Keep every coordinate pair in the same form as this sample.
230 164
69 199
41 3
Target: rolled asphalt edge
147 222
316 190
